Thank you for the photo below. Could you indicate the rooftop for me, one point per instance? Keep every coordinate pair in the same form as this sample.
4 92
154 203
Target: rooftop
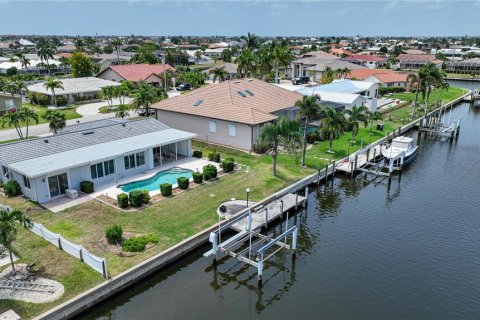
382 75
75 85
336 97
249 101
365 57
138 72
345 86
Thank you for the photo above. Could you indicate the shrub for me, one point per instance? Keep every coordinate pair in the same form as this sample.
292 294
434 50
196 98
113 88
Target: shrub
228 165
145 196
183 182
114 234
86 186
214 156
12 188
209 172
138 244
39 98
312 137
61 101
136 198
384 90
259 148
122 200
166 189
197 177
197 154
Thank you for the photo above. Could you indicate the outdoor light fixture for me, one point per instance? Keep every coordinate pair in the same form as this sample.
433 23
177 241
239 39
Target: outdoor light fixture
248 194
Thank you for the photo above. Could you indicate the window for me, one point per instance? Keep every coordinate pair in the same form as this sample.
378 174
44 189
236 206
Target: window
6 173
232 130
26 182
134 160
212 126
102 169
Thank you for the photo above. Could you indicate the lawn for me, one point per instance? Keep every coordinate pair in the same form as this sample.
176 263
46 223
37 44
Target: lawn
436 95
70 113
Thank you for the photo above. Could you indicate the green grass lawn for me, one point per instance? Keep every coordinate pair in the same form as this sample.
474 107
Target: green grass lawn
436 95
105 109
70 113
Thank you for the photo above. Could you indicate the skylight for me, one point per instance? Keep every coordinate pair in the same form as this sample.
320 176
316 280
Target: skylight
241 93
249 92
197 103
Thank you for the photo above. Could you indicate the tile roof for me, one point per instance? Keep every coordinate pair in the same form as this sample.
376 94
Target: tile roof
403 57
139 72
365 57
382 75
75 85
223 101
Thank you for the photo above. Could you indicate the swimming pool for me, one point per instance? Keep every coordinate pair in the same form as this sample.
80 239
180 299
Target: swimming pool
153 183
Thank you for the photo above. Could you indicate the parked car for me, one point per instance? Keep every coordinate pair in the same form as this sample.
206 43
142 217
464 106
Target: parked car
143 112
184 87
301 80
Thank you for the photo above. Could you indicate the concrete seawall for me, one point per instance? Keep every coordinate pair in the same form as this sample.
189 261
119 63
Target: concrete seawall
97 294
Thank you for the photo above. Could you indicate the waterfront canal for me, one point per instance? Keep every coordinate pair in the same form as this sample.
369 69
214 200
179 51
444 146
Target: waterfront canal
365 251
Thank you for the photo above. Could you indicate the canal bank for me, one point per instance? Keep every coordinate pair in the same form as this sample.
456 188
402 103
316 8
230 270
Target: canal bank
432 187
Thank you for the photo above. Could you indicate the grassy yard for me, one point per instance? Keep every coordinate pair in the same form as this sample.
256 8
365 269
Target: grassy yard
70 113
436 95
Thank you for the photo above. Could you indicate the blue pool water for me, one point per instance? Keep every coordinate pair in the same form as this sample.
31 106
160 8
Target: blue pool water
153 183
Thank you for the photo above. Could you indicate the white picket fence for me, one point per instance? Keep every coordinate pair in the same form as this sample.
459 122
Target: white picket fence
98 264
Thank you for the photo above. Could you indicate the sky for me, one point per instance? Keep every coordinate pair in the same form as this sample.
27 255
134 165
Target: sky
231 18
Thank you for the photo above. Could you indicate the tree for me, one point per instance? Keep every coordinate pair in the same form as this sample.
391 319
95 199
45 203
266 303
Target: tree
117 43
327 76
52 84
145 95
331 125
413 80
282 132
195 77
9 229
124 90
81 65
246 63
56 120
109 93
14 119
220 73
372 116
198 56
357 115
45 51
122 111
226 55
28 115
281 57
252 41
309 109
24 61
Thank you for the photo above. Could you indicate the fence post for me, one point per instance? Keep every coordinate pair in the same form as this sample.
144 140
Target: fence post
104 268
81 253
60 243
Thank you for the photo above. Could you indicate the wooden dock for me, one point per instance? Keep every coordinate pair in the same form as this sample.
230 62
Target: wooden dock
359 159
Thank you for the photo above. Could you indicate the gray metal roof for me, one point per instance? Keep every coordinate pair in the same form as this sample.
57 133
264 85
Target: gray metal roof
77 137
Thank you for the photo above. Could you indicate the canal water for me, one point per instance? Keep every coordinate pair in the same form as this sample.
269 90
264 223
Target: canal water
366 250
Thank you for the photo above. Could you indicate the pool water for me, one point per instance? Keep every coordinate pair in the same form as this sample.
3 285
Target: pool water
153 183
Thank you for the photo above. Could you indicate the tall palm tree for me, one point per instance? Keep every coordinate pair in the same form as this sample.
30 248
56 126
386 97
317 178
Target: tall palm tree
52 84
372 116
122 111
28 115
45 51
220 73
145 95
24 61
9 220
246 63
357 115
13 119
252 41
124 90
281 57
283 132
117 43
262 65
309 109
109 93
414 80
331 125
327 76
198 55
56 120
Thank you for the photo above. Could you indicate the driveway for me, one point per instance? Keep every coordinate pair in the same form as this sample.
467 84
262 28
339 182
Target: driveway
91 109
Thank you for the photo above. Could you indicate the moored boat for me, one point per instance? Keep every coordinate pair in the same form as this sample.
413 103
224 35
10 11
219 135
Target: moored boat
400 145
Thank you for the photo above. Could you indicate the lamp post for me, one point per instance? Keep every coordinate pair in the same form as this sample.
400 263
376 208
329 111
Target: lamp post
248 194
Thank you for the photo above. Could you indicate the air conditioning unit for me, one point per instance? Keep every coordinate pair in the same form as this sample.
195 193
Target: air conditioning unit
71 193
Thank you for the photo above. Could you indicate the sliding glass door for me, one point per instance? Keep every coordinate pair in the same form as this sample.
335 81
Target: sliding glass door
57 185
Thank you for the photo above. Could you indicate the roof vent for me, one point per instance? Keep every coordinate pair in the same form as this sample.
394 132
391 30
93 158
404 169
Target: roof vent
241 93
197 103
46 140
249 92
87 133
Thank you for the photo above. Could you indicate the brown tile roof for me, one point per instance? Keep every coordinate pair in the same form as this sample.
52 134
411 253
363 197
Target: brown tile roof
383 75
222 101
417 57
139 72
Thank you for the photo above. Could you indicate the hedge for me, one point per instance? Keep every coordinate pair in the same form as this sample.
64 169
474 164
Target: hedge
12 188
138 244
138 197
145 196
228 165
122 200
197 177
61 101
114 234
86 186
197 154
209 172
166 189
183 182
384 90
214 156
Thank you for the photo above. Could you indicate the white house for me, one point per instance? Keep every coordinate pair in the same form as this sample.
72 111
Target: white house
102 151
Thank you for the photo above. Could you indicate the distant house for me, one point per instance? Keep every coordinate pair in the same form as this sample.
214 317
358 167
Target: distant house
366 60
150 73
107 59
201 60
464 66
337 100
416 61
230 113
7 102
298 67
75 89
385 77
102 151
340 52
230 68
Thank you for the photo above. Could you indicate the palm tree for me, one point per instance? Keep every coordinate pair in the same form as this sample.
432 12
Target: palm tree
145 95
327 76
252 41
220 73
52 84
262 65
246 63
24 61
282 132
45 51
198 55
13 119
28 115
309 109
357 115
414 80
116 43
9 228
122 111
109 93
372 116
56 120
331 125
124 90
281 57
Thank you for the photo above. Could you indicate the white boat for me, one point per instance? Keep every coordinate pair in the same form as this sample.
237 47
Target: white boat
476 94
400 145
